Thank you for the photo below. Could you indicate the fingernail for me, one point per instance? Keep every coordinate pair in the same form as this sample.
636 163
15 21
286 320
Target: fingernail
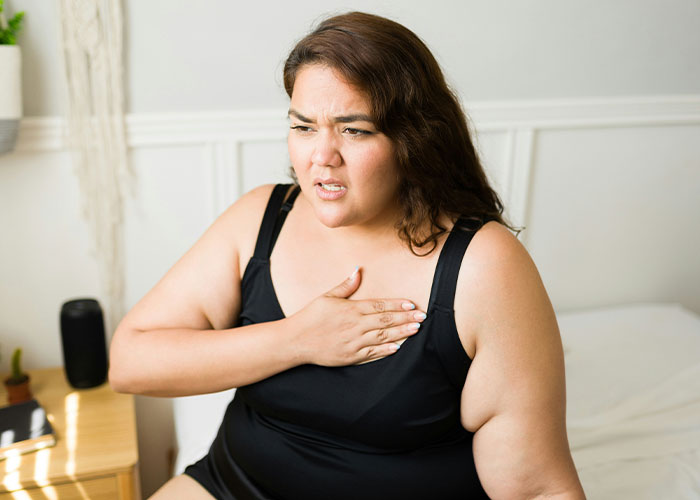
395 347
413 327
357 268
407 306
420 316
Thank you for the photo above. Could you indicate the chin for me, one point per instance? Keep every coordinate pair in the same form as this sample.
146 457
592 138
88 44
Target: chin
331 218
331 222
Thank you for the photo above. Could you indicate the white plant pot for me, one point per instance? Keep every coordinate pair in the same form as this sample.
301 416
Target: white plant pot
10 96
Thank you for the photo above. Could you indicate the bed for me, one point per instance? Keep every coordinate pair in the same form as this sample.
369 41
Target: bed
633 413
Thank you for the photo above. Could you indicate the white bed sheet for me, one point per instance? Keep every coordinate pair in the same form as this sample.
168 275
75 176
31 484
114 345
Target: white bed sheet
197 420
674 477
633 394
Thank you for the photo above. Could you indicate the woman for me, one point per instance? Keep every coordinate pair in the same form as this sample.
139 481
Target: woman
331 403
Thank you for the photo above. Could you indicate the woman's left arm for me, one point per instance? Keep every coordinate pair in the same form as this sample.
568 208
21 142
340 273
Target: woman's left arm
514 398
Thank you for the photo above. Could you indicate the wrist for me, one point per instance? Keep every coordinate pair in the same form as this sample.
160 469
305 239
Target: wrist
293 337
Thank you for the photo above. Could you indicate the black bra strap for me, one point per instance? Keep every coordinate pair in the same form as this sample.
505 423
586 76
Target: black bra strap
442 293
275 214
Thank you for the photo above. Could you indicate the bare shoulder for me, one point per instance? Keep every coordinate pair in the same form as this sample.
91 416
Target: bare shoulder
506 322
247 210
493 247
240 223
497 272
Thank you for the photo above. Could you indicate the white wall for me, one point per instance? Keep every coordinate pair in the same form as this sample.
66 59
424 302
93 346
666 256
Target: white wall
218 54
221 56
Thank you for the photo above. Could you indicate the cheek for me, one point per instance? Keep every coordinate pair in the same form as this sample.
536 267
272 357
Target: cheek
380 166
297 154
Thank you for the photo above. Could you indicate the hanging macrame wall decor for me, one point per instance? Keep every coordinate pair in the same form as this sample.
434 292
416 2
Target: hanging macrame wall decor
92 35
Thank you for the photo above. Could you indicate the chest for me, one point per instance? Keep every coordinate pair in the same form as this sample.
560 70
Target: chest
405 401
409 397
304 268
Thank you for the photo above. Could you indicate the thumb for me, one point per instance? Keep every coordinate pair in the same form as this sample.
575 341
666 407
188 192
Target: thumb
347 287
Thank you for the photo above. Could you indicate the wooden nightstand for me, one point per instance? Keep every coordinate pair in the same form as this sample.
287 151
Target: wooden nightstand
95 456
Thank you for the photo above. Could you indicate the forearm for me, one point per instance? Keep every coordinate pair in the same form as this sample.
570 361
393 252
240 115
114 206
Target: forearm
182 362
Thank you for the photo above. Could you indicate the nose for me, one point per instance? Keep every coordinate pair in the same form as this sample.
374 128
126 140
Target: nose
326 152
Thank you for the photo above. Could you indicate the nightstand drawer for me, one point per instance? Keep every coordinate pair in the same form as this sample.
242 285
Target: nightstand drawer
104 488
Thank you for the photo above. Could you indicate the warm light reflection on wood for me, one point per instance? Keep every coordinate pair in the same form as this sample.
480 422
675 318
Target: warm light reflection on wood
50 492
72 405
21 495
12 462
41 467
82 491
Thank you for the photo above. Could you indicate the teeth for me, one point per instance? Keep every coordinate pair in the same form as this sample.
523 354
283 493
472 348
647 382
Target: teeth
332 187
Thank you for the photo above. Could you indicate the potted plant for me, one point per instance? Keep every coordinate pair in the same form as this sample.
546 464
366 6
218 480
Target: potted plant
10 80
17 384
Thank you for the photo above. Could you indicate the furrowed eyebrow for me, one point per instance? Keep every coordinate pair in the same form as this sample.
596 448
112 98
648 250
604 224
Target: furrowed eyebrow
353 118
299 116
359 117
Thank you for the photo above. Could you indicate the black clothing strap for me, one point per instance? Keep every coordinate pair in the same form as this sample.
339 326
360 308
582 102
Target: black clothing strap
275 215
444 286
282 216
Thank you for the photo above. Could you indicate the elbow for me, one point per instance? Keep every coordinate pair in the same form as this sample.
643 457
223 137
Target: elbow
118 381
573 491
122 376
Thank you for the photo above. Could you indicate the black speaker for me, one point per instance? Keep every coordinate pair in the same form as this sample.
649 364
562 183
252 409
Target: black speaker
83 339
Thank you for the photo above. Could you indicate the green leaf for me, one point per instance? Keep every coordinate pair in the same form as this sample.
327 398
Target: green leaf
15 23
8 34
17 364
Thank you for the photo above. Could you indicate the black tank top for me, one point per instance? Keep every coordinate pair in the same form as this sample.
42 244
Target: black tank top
388 429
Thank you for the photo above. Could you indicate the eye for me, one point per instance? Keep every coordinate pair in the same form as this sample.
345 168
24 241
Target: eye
356 131
301 128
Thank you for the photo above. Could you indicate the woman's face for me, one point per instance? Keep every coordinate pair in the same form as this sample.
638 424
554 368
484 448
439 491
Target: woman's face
346 168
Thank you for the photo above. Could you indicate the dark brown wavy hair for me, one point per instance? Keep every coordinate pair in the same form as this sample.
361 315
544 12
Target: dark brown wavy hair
412 105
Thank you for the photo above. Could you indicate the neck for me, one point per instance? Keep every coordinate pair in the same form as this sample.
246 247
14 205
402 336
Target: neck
377 232
364 238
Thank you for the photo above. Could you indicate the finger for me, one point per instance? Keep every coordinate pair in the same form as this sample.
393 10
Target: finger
373 352
390 335
347 287
373 306
389 319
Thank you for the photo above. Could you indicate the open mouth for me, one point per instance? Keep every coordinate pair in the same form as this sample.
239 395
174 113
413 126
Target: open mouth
331 187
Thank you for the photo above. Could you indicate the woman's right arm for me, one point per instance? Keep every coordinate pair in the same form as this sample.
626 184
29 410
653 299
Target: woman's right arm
179 339
167 344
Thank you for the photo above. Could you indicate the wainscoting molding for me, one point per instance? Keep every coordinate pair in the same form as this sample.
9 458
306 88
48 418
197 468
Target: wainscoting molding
514 126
